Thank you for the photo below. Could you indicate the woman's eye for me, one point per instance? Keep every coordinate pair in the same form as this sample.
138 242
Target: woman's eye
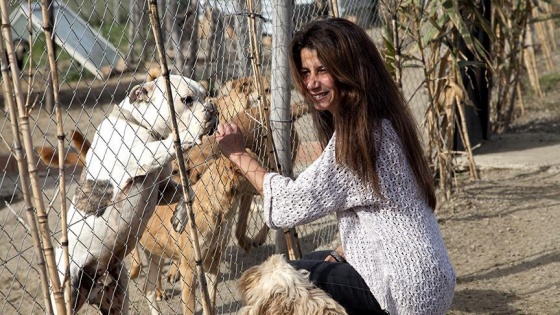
187 100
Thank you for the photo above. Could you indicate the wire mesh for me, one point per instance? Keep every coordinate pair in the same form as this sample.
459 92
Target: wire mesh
104 49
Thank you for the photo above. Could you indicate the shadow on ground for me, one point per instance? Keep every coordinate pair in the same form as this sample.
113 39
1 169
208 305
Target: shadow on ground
484 301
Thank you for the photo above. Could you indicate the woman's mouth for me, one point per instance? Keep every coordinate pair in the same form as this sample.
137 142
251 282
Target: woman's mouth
320 96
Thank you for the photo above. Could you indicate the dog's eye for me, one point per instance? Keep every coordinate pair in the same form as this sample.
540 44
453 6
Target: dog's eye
188 101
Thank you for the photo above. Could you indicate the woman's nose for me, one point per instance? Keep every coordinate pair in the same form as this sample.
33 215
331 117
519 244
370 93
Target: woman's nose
311 82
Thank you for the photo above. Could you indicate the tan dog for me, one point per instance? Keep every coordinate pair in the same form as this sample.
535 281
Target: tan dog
214 204
237 95
198 159
276 288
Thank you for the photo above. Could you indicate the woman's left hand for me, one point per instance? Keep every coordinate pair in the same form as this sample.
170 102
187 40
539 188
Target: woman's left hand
336 255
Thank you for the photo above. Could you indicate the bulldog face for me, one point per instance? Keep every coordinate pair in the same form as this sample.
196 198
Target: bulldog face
193 113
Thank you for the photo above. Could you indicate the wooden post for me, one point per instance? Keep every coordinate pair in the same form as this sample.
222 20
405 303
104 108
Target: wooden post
41 216
155 22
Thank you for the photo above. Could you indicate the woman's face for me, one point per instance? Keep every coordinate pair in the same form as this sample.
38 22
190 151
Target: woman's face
319 82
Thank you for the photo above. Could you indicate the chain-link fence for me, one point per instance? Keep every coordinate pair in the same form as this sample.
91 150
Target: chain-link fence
104 49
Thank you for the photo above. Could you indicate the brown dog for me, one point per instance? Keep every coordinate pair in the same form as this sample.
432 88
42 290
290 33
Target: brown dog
238 95
198 159
214 204
276 288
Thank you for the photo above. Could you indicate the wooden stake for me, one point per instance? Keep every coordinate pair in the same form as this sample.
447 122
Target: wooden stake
41 216
156 28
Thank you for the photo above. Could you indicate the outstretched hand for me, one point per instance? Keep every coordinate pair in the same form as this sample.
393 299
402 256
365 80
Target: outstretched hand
232 144
230 139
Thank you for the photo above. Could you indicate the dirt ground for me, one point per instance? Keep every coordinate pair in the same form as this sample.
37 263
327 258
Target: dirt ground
501 231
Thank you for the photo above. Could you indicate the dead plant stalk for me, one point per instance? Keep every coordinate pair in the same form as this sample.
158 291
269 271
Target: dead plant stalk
156 28
43 237
48 30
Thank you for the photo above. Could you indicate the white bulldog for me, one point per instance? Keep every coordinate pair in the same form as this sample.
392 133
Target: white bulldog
127 166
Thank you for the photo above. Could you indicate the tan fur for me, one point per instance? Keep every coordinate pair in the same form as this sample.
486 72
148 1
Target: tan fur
199 158
276 288
214 206
238 95
152 74
49 156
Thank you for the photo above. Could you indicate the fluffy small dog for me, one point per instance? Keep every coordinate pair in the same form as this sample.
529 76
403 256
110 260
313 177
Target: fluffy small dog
276 288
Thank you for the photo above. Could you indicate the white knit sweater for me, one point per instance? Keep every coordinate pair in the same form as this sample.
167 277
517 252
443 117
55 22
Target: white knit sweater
394 243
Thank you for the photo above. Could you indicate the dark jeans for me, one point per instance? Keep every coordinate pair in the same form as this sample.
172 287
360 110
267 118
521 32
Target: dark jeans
341 281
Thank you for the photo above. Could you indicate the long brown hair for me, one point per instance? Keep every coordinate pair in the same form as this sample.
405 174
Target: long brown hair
365 94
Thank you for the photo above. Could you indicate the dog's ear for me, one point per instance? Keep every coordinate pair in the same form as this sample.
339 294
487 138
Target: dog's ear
141 92
138 93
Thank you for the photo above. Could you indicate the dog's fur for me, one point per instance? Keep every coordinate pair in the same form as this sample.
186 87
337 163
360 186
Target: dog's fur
130 158
276 288
238 101
239 94
214 205
49 156
198 160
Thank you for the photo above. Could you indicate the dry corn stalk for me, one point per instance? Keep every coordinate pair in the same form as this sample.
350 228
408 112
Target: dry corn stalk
47 29
23 126
155 23
542 36
19 154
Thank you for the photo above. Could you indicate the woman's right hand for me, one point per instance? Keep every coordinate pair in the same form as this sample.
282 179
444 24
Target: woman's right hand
232 144
230 139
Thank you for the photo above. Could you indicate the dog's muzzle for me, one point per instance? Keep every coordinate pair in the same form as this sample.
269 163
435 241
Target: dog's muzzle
212 114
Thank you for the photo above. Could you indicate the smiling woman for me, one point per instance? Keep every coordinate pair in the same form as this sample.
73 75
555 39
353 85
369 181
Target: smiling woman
318 81
372 173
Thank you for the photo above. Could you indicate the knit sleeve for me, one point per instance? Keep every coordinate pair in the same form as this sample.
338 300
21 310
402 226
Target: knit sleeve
324 187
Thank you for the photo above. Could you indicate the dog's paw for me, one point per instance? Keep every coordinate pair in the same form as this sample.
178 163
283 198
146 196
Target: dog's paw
180 217
173 274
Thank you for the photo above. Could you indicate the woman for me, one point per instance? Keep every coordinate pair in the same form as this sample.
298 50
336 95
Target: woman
372 173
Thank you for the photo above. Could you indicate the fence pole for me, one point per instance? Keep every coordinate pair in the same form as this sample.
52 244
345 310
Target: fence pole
41 216
294 251
155 22
243 68
280 117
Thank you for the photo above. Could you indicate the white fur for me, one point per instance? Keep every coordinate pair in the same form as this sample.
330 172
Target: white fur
276 288
126 151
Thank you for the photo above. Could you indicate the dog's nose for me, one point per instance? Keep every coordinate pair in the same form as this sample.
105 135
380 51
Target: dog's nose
211 108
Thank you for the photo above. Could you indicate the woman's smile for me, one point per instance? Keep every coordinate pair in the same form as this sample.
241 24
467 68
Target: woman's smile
318 81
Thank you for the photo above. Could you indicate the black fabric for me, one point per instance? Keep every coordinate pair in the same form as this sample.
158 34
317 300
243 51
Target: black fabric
341 281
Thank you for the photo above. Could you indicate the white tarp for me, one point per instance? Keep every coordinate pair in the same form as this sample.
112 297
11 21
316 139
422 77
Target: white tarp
71 33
